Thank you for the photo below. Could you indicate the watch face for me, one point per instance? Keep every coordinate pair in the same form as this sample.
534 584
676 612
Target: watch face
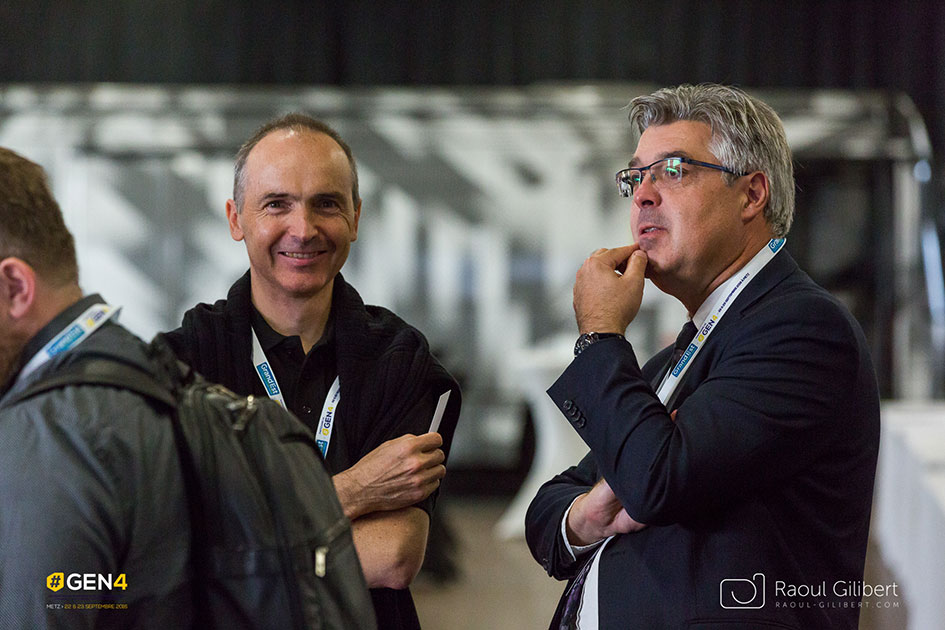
590 338
583 342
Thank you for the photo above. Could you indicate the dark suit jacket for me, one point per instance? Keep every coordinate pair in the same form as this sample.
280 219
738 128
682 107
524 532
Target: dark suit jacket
768 468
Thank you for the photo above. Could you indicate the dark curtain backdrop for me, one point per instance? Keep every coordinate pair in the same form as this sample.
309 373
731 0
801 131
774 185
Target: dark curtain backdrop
897 45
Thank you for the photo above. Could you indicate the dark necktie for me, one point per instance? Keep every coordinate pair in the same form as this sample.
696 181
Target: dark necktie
683 339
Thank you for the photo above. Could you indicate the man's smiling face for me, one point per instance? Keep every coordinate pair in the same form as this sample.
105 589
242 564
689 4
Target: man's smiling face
298 218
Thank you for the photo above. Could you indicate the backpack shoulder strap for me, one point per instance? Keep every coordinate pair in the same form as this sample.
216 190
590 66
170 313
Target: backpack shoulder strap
101 370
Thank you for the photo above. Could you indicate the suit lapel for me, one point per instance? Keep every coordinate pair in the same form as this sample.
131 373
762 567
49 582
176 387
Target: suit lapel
779 268
656 368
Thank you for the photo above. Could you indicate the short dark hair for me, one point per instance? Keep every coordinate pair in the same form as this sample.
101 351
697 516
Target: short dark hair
31 223
299 122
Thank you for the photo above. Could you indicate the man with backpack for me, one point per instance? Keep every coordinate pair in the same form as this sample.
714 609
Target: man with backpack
133 494
382 407
90 483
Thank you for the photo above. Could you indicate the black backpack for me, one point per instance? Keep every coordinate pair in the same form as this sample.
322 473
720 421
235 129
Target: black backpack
271 545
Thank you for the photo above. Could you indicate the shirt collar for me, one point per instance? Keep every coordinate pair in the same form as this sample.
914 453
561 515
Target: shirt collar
53 328
270 338
702 313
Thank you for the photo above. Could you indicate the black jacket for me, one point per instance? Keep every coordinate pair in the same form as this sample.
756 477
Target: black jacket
768 468
90 482
385 369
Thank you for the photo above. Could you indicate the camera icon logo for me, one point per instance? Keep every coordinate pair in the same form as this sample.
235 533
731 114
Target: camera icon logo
743 593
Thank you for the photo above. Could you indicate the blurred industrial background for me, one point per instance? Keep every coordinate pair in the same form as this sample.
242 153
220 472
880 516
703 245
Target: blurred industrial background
487 135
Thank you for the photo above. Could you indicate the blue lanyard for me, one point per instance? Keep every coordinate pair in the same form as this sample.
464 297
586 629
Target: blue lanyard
326 422
745 275
71 336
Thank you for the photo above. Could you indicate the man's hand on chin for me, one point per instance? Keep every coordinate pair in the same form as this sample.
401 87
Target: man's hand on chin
604 299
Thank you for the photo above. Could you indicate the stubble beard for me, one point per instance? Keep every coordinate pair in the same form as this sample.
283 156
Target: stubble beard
9 358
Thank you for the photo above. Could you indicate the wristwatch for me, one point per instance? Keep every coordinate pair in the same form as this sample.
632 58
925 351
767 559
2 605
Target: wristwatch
585 340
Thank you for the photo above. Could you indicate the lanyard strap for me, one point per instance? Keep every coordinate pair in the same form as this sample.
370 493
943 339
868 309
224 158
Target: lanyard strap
265 373
327 421
721 306
268 377
72 335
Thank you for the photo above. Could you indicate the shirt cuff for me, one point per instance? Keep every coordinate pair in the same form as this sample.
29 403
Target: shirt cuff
574 550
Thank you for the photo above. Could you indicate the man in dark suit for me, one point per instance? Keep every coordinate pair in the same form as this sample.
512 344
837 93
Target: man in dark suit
729 482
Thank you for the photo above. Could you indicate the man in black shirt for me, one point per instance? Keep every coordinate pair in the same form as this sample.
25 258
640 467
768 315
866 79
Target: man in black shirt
293 329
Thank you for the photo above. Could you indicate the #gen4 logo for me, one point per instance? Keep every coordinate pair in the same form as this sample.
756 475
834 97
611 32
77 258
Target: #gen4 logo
85 582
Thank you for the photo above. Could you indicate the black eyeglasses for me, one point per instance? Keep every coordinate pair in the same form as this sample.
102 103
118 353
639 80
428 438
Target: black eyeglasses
668 171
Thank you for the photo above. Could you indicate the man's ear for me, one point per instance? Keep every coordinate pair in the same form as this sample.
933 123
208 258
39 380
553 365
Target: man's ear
17 287
233 218
756 196
357 217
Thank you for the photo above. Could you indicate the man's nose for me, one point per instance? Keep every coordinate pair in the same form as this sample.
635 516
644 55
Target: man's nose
646 193
303 224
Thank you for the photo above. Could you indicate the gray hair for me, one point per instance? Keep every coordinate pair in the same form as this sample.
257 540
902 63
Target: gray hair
747 135
298 122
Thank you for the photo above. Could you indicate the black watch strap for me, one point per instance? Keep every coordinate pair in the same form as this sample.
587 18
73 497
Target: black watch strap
587 339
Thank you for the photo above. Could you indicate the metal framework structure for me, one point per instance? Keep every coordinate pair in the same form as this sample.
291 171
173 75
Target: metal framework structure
479 205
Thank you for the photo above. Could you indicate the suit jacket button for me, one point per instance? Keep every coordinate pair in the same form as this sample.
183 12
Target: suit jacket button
580 421
568 405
